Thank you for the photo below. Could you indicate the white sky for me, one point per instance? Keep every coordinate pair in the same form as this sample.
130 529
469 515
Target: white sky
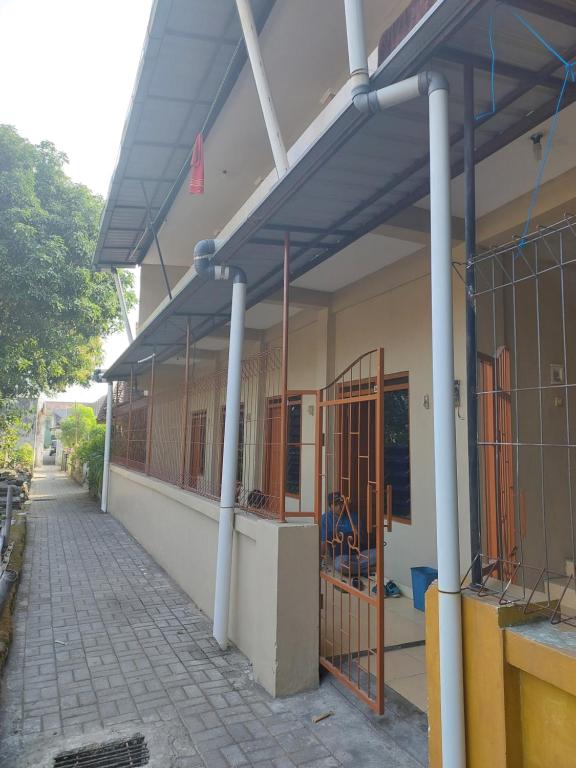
67 69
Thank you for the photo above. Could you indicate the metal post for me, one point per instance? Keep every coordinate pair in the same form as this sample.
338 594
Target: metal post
8 519
449 597
129 415
152 227
122 302
229 464
284 401
183 450
150 416
107 444
262 86
471 375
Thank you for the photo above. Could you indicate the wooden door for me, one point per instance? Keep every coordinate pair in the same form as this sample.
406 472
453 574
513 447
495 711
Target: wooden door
496 457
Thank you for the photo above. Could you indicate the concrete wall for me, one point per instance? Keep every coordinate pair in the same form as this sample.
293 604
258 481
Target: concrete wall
389 309
153 287
519 686
274 607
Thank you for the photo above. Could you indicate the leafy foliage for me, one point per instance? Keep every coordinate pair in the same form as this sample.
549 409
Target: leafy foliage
11 428
91 452
53 308
76 427
23 456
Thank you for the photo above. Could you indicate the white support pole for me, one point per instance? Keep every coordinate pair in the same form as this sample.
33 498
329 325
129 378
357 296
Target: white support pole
449 593
448 546
229 465
262 86
122 302
107 444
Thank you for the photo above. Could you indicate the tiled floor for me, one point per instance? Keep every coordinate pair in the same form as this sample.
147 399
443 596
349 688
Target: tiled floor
106 645
405 669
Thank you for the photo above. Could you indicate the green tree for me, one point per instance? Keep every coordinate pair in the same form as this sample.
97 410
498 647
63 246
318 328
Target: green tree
77 426
54 309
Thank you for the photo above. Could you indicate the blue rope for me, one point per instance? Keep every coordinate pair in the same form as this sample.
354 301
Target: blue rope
539 37
544 161
570 75
492 71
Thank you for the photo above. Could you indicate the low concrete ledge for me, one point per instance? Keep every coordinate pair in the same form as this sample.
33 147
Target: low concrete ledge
274 612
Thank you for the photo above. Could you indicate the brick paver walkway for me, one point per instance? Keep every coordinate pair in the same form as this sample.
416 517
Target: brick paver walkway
107 645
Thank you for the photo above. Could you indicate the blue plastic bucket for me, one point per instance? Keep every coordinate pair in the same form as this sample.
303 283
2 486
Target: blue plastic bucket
422 577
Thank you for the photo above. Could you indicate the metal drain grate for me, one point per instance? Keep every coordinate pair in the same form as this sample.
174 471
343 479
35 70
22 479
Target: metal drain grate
124 753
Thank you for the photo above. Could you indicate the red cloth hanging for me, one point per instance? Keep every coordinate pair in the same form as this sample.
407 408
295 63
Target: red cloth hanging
197 167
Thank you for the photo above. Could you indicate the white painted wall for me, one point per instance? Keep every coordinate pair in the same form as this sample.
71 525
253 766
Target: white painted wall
274 612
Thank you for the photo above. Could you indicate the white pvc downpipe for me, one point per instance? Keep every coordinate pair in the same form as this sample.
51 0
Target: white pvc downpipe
448 548
203 253
448 545
107 443
229 466
262 86
357 56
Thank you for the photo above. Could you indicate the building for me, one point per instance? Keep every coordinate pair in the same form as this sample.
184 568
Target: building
337 380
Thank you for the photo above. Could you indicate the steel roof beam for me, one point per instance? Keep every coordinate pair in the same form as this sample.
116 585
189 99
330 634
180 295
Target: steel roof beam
421 163
237 62
503 68
275 241
546 10
300 229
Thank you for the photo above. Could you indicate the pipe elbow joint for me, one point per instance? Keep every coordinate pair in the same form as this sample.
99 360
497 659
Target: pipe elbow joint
366 102
204 250
431 81
238 275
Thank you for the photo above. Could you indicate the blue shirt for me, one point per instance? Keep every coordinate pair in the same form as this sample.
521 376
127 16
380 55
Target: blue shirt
330 526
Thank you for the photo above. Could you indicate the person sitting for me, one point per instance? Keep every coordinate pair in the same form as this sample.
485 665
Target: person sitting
343 541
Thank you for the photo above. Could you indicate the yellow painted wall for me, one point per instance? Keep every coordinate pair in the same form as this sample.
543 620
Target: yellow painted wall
548 724
520 692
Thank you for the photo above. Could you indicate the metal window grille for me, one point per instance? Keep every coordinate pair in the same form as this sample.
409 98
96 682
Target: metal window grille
526 405
175 433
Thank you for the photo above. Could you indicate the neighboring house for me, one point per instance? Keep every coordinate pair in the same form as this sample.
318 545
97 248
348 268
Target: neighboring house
352 215
50 415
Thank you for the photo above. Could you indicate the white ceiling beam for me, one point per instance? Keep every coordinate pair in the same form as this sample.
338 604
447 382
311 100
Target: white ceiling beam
304 298
250 334
413 224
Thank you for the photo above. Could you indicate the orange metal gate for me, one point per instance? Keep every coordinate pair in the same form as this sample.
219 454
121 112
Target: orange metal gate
350 512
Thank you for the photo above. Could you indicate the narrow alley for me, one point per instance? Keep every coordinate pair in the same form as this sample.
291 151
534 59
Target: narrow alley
107 646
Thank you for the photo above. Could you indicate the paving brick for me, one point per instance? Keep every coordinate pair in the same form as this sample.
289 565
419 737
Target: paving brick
234 755
133 651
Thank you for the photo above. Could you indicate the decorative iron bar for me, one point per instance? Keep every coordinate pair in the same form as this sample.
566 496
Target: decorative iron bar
350 503
175 432
526 403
